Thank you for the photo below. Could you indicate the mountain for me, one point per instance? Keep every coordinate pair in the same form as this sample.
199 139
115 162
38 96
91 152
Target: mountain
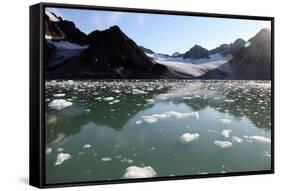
253 61
229 49
176 54
58 29
110 54
147 50
196 52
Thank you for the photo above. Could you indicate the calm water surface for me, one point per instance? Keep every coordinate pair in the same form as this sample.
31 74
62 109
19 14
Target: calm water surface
97 130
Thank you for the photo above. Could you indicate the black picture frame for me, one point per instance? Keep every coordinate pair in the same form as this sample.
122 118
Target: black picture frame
37 95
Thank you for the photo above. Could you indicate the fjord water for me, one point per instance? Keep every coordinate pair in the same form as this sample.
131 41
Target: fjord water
104 127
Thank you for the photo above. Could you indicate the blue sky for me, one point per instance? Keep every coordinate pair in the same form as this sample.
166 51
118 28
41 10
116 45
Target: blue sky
165 33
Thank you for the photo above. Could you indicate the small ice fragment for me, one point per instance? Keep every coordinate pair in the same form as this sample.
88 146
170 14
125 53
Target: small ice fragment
61 158
188 137
223 144
138 122
237 139
229 100
225 121
137 91
98 98
150 101
152 149
59 95
226 133
260 139
108 98
59 104
48 150
149 119
139 172
106 159
87 146
60 149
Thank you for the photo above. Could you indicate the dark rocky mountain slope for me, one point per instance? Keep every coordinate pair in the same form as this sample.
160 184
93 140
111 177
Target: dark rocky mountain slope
253 61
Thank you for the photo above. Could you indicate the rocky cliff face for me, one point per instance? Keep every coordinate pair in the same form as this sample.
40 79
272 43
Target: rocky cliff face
196 52
253 61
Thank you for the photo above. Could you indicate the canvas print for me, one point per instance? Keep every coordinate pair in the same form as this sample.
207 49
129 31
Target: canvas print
132 95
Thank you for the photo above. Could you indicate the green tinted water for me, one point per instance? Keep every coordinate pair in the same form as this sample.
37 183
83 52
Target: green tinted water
103 137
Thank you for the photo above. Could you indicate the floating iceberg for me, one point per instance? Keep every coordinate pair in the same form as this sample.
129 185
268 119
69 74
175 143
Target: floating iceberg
223 144
59 104
48 150
237 139
258 138
59 95
226 133
87 146
138 122
139 172
108 98
149 119
188 137
61 158
106 159
137 91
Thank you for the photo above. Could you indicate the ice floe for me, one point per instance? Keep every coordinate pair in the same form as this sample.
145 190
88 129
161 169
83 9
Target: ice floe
258 138
139 172
126 160
150 101
225 121
137 91
106 159
188 137
108 98
60 149
59 95
237 139
149 119
59 104
87 146
138 122
226 133
48 150
223 144
62 157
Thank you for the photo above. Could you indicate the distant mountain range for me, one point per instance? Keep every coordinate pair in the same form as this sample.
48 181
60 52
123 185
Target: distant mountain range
111 54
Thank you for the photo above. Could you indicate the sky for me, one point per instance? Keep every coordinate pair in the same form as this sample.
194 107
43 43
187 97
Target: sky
165 33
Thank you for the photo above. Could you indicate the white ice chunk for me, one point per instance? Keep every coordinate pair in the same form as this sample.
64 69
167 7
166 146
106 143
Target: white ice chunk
62 157
59 95
237 139
223 144
108 98
225 121
87 146
59 104
139 172
188 137
138 122
260 139
106 159
60 149
149 119
48 150
150 101
226 133
137 91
